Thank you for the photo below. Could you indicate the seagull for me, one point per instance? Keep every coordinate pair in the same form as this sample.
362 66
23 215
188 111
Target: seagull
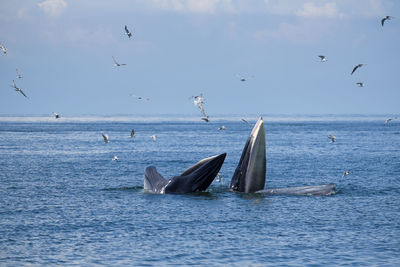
242 78
332 137
133 133
247 122
346 173
116 64
386 18
219 177
115 158
56 115
127 32
388 120
222 128
356 67
323 58
140 97
360 84
19 76
3 49
154 137
199 101
105 137
18 89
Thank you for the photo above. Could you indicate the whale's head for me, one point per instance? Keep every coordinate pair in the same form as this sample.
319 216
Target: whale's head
197 177
249 175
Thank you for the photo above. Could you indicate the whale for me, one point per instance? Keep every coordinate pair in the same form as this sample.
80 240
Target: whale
250 173
196 178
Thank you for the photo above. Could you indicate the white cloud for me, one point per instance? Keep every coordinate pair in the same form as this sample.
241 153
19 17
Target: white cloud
329 10
53 7
194 6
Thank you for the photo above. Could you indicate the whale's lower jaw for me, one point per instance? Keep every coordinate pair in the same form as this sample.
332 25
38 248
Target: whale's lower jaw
319 190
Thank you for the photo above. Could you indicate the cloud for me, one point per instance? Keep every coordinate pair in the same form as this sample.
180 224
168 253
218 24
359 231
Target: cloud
194 6
328 10
53 8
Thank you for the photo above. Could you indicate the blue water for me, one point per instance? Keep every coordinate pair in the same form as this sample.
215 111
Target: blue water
65 202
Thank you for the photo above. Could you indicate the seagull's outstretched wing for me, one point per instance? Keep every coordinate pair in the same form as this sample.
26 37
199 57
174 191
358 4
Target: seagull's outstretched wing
114 60
355 68
22 92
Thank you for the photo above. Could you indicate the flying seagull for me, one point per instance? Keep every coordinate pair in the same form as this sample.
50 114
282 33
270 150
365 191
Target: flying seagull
248 123
199 101
222 128
105 137
3 49
56 115
388 120
140 97
346 173
360 84
115 158
133 133
219 178
332 137
385 18
127 32
323 58
116 64
19 76
242 78
18 89
356 67
154 137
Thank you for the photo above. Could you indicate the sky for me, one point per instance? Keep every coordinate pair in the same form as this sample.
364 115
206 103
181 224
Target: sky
181 48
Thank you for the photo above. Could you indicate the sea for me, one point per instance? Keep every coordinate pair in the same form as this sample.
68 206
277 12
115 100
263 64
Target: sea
64 201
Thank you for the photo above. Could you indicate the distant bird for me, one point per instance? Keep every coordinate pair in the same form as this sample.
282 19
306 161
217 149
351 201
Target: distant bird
105 137
356 67
127 32
390 119
116 64
360 84
19 76
133 133
18 89
3 49
115 158
154 137
247 122
140 97
219 177
346 173
323 58
222 128
386 18
199 101
332 137
56 115
242 78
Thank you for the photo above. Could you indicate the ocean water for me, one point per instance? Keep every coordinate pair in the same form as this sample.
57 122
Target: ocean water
64 201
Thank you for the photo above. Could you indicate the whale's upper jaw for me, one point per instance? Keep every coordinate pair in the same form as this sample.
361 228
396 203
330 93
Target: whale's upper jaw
197 178
249 175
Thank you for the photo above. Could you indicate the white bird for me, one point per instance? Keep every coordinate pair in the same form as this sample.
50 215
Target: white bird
3 49
219 177
115 158
247 123
18 89
323 58
390 119
386 18
346 173
127 32
199 101
140 97
116 64
154 137
356 67
222 128
105 137
332 137
56 115
19 76
360 84
133 133
243 78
